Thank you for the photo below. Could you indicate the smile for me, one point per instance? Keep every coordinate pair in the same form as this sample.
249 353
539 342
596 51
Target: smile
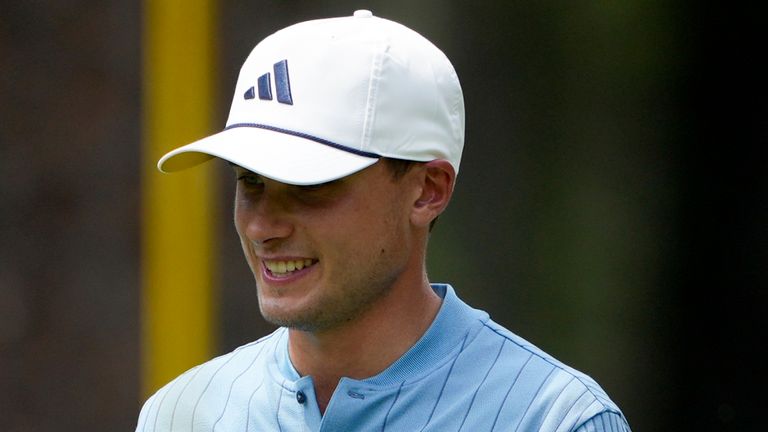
286 268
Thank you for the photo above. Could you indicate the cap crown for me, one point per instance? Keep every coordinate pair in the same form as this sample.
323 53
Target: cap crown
363 84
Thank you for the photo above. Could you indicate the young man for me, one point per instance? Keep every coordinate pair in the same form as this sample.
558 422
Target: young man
345 136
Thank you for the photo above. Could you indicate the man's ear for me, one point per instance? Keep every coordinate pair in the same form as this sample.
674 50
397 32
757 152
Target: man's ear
437 179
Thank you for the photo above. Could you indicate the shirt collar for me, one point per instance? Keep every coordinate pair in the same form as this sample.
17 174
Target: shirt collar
454 326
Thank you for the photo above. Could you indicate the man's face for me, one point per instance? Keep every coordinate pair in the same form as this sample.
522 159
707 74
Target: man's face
322 254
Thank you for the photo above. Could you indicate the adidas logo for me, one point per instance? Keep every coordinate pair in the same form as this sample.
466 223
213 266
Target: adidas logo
282 85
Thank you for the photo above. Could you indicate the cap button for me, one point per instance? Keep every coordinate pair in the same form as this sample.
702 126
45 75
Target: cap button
363 13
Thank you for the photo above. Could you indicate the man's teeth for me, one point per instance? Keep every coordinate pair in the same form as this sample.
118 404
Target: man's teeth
283 267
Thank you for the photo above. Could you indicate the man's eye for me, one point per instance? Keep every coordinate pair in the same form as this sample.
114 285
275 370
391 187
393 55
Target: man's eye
250 179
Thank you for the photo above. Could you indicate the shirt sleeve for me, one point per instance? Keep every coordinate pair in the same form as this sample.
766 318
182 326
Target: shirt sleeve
606 421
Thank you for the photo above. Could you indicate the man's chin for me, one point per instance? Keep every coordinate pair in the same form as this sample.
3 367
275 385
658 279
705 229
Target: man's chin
293 319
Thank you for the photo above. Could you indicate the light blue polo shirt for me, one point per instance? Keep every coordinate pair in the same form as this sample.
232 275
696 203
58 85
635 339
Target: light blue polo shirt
466 373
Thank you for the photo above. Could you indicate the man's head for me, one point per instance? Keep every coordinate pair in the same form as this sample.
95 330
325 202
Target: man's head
346 136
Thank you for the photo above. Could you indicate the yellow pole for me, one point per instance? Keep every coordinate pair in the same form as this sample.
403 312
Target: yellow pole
177 264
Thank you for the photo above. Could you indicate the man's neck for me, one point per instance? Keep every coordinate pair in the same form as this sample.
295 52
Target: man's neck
369 344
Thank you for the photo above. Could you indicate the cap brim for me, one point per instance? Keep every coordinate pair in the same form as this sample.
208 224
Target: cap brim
282 157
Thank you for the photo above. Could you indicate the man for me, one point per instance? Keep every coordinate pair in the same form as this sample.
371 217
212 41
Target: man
345 136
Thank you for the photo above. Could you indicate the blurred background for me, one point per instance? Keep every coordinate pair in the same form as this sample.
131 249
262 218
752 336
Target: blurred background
611 206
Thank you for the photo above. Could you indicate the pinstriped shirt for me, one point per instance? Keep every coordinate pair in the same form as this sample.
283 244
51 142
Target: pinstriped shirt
466 373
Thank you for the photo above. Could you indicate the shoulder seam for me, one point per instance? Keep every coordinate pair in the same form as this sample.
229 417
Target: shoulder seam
607 410
256 342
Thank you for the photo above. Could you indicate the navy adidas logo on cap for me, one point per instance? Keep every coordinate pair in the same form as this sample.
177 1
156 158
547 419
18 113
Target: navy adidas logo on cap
282 85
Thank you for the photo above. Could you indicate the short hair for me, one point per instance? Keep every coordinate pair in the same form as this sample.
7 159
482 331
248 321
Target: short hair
399 167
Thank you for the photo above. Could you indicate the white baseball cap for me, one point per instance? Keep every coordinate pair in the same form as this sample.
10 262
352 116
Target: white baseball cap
323 99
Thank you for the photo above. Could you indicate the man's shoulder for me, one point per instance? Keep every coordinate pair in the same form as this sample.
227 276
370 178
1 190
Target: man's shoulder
239 357
534 381
210 383
518 347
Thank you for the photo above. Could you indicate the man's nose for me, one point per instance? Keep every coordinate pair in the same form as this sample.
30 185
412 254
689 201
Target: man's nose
267 218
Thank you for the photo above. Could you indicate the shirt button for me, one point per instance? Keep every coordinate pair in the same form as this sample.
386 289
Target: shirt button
301 397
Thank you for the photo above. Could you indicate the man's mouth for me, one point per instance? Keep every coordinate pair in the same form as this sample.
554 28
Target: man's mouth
286 268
